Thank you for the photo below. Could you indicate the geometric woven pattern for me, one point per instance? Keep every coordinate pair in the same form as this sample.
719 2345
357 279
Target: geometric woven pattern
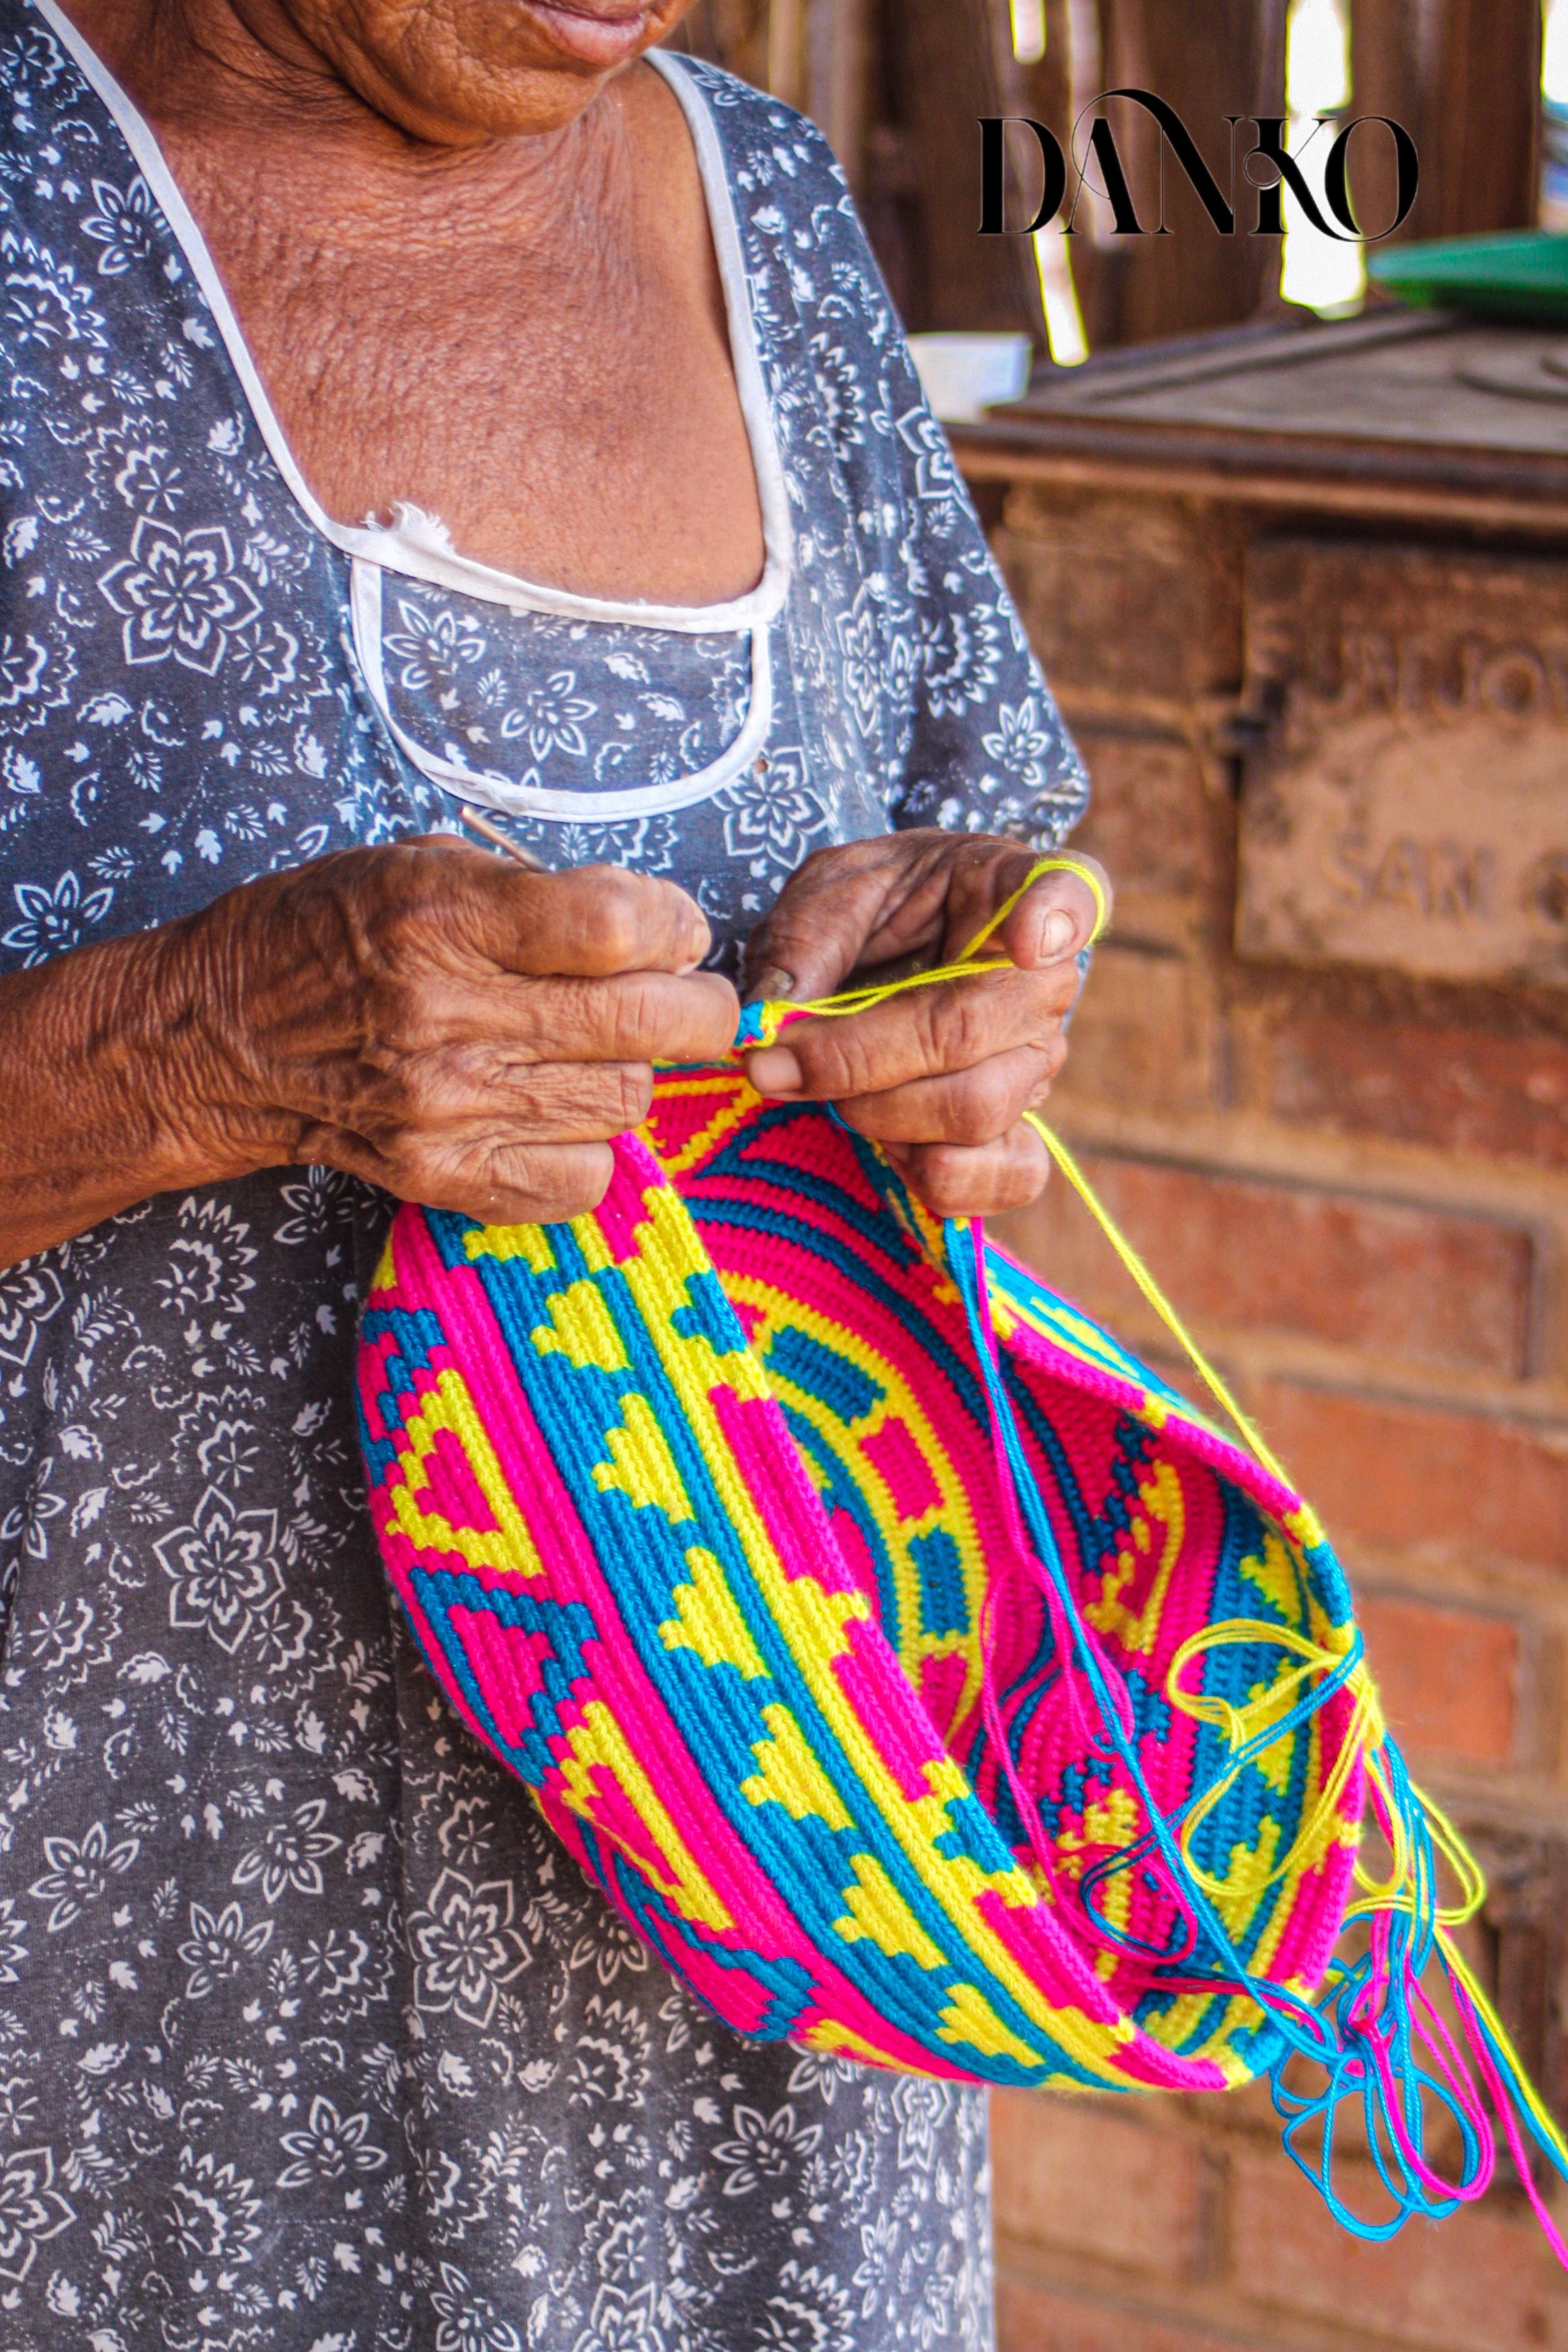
698 1510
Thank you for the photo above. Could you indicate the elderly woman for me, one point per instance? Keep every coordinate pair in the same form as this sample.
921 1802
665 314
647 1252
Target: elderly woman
408 407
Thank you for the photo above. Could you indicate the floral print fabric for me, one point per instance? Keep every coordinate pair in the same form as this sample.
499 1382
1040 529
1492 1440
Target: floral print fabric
559 703
310 2038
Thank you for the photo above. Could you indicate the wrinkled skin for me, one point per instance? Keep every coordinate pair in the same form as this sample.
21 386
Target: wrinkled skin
424 1015
942 1074
463 1033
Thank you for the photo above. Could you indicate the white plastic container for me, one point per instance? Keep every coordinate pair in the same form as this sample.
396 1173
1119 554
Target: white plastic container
965 374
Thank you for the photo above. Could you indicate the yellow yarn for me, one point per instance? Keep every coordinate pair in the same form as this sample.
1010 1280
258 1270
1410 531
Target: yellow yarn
968 965
771 1018
1053 864
1153 1294
1365 1744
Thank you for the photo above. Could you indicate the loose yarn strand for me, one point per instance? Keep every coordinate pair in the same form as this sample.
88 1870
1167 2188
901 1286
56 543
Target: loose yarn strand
1055 864
761 1024
1157 1298
1376 2011
1366 2026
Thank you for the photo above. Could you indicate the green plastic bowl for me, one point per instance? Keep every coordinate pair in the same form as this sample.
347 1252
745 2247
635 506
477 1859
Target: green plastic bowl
1515 274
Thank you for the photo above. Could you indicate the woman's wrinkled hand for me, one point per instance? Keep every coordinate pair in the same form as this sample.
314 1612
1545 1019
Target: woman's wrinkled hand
940 1076
464 1033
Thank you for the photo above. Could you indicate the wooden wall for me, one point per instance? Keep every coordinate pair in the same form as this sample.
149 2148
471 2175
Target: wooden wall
898 84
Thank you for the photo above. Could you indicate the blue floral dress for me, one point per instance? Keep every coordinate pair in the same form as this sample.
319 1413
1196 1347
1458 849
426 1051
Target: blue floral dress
308 2036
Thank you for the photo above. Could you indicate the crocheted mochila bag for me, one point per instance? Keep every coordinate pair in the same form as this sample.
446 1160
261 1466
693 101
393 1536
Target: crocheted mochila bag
915 1671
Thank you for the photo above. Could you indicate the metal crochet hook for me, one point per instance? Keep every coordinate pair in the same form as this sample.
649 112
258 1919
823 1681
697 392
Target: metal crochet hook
500 840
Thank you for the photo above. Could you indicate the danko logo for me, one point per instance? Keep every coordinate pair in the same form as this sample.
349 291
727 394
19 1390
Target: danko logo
1278 171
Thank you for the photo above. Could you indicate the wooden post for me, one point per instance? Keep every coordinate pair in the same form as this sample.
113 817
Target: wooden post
838 79
948 63
730 33
1227 58
1488 117
1393 49
1465 80
788 70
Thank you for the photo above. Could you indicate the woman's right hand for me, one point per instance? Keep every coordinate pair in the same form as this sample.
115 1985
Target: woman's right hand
465 1033
426 1015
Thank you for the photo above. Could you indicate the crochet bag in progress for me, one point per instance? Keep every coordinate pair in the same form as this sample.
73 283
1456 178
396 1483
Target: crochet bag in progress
915 1671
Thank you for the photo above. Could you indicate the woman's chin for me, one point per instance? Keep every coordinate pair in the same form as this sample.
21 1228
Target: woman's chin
598 38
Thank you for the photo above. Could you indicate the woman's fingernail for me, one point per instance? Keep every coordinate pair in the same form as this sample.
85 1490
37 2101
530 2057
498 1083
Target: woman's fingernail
1057 933
770 987
775 1071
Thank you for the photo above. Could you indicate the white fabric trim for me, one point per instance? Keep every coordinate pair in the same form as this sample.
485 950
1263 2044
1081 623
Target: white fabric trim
493 791
778 530
419 548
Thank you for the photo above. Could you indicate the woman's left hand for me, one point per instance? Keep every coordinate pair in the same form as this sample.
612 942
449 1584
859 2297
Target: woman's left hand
941 1076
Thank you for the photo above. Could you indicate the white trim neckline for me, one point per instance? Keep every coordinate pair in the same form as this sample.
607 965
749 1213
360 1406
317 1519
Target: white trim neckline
418 547
487 790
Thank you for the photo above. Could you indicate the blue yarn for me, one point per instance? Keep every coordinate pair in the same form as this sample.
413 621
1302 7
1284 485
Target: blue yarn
1325 2031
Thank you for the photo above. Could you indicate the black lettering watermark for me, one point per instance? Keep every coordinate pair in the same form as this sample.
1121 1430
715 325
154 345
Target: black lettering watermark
1282 171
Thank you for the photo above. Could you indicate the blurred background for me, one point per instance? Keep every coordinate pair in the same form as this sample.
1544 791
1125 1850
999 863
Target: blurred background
1296 560
1482 85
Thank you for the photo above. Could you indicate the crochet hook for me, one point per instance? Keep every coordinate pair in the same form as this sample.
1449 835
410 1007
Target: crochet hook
500 840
